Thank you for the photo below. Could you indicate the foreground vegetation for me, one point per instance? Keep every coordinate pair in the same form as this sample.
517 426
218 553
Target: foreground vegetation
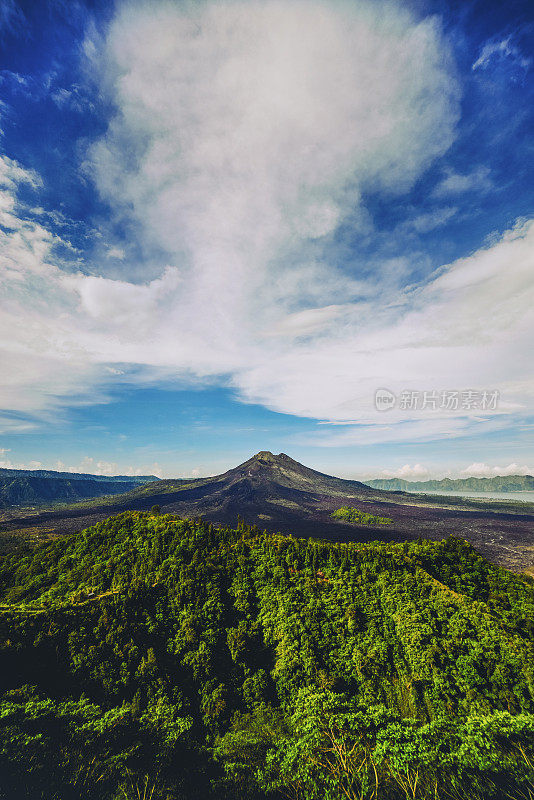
150 657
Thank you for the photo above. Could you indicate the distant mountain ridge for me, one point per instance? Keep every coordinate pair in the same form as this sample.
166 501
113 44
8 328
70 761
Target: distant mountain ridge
499 483
75 476
36 487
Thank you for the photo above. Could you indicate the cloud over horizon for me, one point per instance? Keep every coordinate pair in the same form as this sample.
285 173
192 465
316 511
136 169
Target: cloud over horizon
245 138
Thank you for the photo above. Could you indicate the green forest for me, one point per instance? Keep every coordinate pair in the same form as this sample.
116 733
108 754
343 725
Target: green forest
350 514
156 658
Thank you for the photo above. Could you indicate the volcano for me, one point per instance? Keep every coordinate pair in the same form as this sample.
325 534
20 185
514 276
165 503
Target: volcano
271 491
279 494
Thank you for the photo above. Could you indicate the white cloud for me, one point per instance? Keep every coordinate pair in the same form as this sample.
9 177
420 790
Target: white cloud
42 362
416 473
480 470
369 431
271 120
97 467
8 464
12 175
265 114
469 327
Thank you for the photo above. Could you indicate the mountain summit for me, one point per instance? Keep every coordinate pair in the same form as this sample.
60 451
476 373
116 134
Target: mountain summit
283 470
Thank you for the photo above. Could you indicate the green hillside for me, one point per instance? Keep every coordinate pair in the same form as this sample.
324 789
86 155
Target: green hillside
151 657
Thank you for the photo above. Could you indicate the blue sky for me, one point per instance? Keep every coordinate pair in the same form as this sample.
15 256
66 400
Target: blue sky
224 226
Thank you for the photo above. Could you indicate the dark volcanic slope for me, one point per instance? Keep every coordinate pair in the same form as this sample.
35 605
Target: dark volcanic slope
278 493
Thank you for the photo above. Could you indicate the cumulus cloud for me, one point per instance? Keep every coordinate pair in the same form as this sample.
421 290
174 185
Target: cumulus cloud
416 472
245 134
97 466
480 470
8 464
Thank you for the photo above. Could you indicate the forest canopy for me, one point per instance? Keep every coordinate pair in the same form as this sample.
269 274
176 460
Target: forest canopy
151 656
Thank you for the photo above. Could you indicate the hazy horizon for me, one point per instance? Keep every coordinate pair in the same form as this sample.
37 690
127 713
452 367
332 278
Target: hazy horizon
411 474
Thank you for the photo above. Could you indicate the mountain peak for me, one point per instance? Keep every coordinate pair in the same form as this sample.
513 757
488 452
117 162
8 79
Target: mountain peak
266 459
278 467
266 455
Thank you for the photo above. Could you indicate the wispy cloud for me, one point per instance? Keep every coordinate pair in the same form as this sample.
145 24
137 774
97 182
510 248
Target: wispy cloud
11 17
12 175
370 432
503 50
430 220
454 183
